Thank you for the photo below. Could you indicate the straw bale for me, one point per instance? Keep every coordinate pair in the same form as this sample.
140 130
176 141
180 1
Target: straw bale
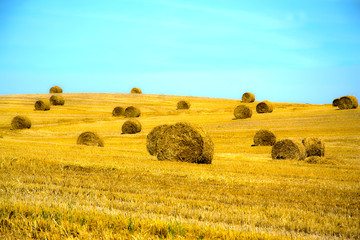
185 142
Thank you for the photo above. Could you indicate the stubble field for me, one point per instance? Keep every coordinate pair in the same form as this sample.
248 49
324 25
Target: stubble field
52 188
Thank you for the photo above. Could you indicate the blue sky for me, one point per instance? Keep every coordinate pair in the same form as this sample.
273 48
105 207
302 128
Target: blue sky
284 51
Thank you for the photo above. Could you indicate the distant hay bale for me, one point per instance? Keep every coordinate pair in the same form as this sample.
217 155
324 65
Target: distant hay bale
42 105
132 112
90 139
131 126
335 102
186 143
57 100
152 138
183 104
20 122
314 147
248 97
118 111
264 107
264 138
288 149
242 111
136 90
348 102
56 89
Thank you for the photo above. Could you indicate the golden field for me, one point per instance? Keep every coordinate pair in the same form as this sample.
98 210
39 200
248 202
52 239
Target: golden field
52 188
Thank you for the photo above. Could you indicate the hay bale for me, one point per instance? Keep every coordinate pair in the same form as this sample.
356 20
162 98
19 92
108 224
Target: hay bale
42 105
57 100
20 122
288 149
335 102
264 138
242 112
118 111
131 126
152 138
183 104
136 90
348 102
185 142
90 139
132 112
264 107
56 89
314 147
248 97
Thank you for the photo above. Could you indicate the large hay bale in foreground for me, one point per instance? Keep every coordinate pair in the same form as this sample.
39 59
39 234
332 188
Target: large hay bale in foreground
152 138
288 149
314 147
90 139
131 126
264 107
57 100
56 89
20 122
186 143
264 138
183 104
335 102
136 90
242 112
118 111
132 112
248 97
348 102
42 105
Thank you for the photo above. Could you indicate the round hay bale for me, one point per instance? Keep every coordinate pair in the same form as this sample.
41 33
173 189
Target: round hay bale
248 97
314 147
186 143
20 122
335 102
90 139
264 138
42 105
131 126
242 111
152 138
183 104
57 100
348 102
132 112
56 89
118 111
136 90
288 149
264 107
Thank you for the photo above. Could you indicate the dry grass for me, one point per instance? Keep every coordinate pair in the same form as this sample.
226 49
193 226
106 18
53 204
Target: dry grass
52 188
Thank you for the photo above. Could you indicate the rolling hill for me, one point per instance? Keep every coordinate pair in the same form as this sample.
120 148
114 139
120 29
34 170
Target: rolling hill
53 188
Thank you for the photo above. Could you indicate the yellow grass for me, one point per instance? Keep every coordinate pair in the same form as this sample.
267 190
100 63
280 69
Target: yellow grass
52 188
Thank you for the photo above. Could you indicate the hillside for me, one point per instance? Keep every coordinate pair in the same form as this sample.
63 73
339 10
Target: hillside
53 188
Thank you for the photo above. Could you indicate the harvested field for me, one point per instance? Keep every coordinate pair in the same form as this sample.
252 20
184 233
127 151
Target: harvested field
53 188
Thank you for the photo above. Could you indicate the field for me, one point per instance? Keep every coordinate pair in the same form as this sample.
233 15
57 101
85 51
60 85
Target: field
52 188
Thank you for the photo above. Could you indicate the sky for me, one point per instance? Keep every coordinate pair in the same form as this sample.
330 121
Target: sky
303 51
